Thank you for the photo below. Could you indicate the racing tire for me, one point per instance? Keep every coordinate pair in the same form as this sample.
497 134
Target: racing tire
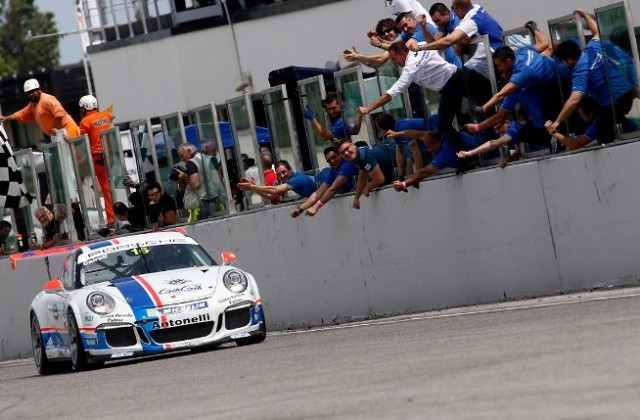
43 364
79 358
257 337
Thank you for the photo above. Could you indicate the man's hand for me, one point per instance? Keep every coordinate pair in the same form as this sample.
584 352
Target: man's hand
413 47
581 13
552 127
375 40
463 154
295 212
400 186
363 110
245 186
351 55
3 118
312 211
392 134
356 203
472 128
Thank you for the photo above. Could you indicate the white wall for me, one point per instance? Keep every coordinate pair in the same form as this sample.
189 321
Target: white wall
189 70
536 228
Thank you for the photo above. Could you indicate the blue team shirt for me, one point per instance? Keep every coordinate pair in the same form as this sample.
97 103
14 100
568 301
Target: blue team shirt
446 156
340 129
419 124
514 131
487 25
532 101
597 75
454 21
347 170
532 69
380 155
301 184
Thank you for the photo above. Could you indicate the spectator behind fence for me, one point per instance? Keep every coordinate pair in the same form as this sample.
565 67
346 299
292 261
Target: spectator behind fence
475 22
597 73
7 242
216 191
338 178
53 233
123 224
375 167
407 150
288 180
269 174
157 200
444 19
339 129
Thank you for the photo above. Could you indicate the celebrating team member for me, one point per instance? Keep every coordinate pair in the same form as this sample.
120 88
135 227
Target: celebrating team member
339 129
45 110
288 180
94 123
375 167
597 73
337 179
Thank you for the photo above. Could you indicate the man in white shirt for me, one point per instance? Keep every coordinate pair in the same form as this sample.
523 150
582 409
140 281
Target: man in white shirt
430 71
401 6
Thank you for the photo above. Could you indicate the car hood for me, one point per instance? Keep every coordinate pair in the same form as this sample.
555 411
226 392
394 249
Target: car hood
168 287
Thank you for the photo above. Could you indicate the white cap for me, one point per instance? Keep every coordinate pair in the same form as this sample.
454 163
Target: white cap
88 103
31 84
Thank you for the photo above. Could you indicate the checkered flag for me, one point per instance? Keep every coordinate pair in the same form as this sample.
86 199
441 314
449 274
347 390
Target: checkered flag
13 194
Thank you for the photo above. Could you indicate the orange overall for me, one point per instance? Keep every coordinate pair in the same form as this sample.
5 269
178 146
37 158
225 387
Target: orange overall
50 115
93 124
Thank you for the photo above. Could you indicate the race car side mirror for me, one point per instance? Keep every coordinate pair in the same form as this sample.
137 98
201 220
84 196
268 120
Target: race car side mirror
52 286
228 257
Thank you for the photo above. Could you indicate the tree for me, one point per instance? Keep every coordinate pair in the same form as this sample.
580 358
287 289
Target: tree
17 55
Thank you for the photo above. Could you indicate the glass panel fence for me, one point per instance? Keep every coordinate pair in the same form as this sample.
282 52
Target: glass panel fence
26 161
351 88
166 144
566 28
621 52
312 93
145 154
63 195
246 147
89 194
201 132
115 163
518 38
283 133
400 106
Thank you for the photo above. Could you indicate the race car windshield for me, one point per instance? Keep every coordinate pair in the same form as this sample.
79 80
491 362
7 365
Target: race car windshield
143 260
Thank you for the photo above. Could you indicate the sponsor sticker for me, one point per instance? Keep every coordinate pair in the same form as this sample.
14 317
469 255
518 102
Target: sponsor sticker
171 323
180 289
180 309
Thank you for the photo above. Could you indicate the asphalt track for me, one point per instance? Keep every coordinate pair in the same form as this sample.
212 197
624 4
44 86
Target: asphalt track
567 357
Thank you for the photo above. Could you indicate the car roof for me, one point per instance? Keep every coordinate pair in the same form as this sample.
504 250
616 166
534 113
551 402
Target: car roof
125 242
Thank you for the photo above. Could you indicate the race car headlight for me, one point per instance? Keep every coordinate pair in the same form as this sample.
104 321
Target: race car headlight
101 303
236 281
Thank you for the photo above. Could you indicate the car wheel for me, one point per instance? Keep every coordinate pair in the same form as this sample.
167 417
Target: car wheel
256 337
79 359
44 366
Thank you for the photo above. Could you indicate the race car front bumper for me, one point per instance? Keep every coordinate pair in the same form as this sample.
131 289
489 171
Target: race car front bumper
159 334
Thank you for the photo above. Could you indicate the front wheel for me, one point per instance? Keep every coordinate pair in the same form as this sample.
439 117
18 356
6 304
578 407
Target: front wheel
79 359
43 364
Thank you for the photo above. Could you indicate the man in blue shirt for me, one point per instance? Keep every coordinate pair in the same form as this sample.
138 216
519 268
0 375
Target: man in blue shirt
446 21
337 179
288 180
444 154
600 71
407 150
375 166
414 33
339 128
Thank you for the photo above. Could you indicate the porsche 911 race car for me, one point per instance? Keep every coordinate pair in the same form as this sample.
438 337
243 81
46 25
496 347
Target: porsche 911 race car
140 295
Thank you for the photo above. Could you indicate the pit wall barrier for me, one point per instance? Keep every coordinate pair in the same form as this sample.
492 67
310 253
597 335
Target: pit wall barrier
559 224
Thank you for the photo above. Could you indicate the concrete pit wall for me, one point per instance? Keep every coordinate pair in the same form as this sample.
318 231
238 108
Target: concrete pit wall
536 228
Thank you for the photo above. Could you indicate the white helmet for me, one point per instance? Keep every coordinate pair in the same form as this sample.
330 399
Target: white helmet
31 84
88 103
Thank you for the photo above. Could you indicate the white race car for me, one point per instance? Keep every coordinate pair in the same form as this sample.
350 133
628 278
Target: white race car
139 295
